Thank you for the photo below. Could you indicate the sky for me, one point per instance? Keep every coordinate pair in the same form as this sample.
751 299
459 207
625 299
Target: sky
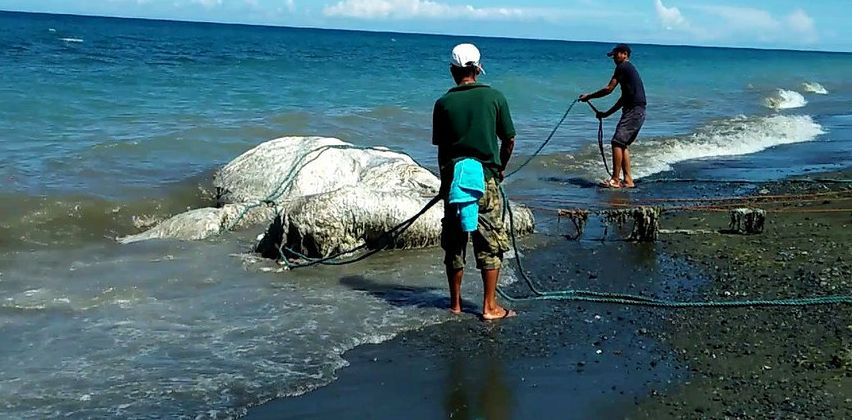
789 24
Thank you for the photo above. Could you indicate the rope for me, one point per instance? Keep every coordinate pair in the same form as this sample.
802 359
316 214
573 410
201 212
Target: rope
529 159
718 204
384 239
600 139
388 237
797 197
748 181
291 177
638 300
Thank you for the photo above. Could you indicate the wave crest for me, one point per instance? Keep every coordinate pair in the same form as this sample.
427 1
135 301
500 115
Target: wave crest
814 87
785 99
732 137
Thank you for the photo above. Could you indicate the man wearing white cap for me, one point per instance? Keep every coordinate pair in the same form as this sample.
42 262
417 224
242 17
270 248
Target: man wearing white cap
466 124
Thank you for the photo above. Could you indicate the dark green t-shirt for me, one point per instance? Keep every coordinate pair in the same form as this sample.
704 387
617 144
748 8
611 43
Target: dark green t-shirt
466 123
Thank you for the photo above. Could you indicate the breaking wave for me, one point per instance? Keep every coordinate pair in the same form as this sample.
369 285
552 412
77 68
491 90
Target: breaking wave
729 137
732 137
785 99
814 87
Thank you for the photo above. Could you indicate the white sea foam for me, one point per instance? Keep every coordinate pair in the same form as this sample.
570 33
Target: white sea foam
785 99
125 323
736 136
814 87
77 40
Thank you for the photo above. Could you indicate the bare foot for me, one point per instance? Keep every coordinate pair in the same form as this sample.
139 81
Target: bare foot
630 185
498 313
455 311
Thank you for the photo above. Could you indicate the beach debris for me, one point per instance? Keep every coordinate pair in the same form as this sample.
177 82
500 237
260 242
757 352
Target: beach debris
646 221
746 220
578 217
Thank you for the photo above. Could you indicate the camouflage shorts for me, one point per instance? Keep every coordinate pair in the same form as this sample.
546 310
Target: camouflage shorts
490 239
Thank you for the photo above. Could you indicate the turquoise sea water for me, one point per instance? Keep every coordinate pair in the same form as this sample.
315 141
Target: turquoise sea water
106 122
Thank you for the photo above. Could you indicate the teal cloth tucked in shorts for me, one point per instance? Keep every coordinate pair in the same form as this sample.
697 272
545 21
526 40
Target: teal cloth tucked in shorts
467 188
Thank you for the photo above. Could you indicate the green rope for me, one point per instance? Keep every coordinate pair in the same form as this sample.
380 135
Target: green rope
291 176
746 181
600 139
547 140
638 300
387 238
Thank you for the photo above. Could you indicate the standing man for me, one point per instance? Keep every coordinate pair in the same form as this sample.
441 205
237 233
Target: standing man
466 123
632 102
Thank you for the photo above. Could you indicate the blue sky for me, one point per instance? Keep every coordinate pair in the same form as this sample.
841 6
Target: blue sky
792 24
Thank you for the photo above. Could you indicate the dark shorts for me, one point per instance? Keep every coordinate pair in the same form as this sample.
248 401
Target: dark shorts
490 239
628 126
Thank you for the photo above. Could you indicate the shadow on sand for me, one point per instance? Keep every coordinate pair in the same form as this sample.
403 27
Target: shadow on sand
400 295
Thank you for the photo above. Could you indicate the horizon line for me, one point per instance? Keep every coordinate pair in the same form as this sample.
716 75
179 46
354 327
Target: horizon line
377 31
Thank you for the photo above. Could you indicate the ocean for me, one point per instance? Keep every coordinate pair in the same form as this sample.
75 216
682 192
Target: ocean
108 125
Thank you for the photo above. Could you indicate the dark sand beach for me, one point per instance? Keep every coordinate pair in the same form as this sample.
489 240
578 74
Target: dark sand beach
584 360
791 362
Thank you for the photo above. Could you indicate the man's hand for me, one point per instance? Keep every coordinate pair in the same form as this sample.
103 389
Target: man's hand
500 175
584 98
600 115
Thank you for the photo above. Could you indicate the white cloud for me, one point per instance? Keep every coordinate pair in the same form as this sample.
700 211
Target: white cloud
744 17
798 26
802 23
428 9
670 17
208 3
737 24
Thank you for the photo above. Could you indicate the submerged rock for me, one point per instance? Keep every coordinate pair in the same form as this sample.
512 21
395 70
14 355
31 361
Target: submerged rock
320 196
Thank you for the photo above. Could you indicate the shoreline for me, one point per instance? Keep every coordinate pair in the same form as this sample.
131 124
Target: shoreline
594 360
608 361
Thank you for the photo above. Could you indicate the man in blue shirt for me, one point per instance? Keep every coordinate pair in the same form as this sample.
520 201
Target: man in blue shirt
632 103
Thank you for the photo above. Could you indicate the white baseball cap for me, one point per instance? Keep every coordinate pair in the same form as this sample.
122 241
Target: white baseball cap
466 55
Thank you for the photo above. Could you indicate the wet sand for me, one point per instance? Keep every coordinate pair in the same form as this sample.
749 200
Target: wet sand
582 360
553 359
792 362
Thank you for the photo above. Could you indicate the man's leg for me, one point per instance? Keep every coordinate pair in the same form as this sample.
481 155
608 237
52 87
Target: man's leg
490 241
626 133
625 166
454 278
490 308
454 244
617 159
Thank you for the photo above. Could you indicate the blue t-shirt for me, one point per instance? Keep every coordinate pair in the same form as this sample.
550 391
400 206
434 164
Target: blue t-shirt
632 89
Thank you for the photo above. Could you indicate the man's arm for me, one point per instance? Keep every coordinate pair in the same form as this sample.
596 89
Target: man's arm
506 148
437 133
601 93
505 132
618 104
